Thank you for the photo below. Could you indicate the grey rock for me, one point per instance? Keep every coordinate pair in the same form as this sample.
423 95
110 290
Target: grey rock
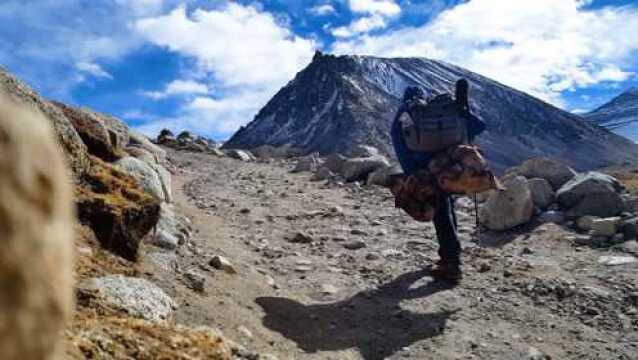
195 280
609 260
556 217
242 155
354 245
592 193
166 261
139 140
555 172
173 229
605 226
382 175
542 193
145 175
509 208
301 238
363 151
585 222
138 297
221 263
308 163
359 168
629 228
323 173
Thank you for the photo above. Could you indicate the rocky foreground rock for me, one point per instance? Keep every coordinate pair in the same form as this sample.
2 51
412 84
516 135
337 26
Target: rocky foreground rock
36 222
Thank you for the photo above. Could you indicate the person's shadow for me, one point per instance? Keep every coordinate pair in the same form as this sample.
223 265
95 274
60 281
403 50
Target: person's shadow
371 321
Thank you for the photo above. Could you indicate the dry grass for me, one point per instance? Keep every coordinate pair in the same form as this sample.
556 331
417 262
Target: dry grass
628 176
110 337
91 260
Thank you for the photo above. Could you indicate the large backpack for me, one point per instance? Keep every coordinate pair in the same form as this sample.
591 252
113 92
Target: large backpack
435 125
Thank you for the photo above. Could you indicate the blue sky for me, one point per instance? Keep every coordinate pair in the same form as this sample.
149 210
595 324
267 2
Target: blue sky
208 66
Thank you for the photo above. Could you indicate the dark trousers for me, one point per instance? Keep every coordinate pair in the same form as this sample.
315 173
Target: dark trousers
445 225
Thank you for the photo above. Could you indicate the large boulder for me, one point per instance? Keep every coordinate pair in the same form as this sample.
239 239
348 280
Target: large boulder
382 176
68 137
355 169
140 141
36 235
506 209
308 163
152 178
542 192
116 207
592 193
173 229
137 297
551 170
242 155
100 141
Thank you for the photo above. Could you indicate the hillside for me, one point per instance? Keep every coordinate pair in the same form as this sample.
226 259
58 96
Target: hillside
619 115
336 103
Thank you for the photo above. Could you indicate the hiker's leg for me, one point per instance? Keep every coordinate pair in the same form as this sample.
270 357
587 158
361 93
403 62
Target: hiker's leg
444 223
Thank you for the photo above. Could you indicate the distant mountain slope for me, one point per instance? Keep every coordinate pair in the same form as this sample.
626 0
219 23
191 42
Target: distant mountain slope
336 103
619 115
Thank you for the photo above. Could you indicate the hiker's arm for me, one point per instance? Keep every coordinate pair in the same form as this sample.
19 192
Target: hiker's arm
475 126
400 148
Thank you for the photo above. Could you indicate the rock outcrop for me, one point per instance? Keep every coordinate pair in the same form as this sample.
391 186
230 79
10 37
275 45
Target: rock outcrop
137 297
36 223
591 193
507 209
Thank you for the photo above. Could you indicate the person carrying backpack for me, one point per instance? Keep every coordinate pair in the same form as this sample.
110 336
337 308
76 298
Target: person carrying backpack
422 128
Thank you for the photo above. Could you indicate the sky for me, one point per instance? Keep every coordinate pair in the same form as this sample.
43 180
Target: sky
209 65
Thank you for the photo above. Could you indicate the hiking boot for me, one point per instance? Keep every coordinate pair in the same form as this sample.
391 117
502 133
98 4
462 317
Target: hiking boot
447 270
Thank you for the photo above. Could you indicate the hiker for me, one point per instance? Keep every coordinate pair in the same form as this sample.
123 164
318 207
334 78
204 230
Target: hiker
449 266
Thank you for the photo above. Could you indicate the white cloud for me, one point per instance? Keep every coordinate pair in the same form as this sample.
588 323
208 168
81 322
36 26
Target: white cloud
322 10
542 47
362 25
379 7
93 69
376 13
178 87
248 53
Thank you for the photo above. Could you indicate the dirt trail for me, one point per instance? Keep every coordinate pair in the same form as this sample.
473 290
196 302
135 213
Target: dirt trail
351 285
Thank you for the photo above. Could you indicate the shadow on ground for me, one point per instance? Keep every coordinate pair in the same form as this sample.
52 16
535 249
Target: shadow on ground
371 321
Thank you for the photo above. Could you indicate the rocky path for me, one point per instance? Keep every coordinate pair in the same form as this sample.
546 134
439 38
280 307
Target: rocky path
335 272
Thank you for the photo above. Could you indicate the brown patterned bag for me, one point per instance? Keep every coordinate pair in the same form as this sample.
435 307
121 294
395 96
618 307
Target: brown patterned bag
463 170
416 195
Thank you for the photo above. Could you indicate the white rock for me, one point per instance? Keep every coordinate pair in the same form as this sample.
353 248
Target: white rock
509 208
138 297
221 263
616 260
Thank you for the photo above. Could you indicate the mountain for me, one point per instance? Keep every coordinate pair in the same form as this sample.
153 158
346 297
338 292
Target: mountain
338 102
619 115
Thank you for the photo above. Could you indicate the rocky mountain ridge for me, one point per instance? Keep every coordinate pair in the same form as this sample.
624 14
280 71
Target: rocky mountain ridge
619 115
339 102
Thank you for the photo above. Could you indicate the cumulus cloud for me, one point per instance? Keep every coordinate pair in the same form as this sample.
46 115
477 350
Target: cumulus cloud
322 10
93 69
375 14
542 47
178 87
248 53
379 7
54 44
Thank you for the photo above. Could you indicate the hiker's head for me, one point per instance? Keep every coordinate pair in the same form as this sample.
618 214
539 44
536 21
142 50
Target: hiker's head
413 92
